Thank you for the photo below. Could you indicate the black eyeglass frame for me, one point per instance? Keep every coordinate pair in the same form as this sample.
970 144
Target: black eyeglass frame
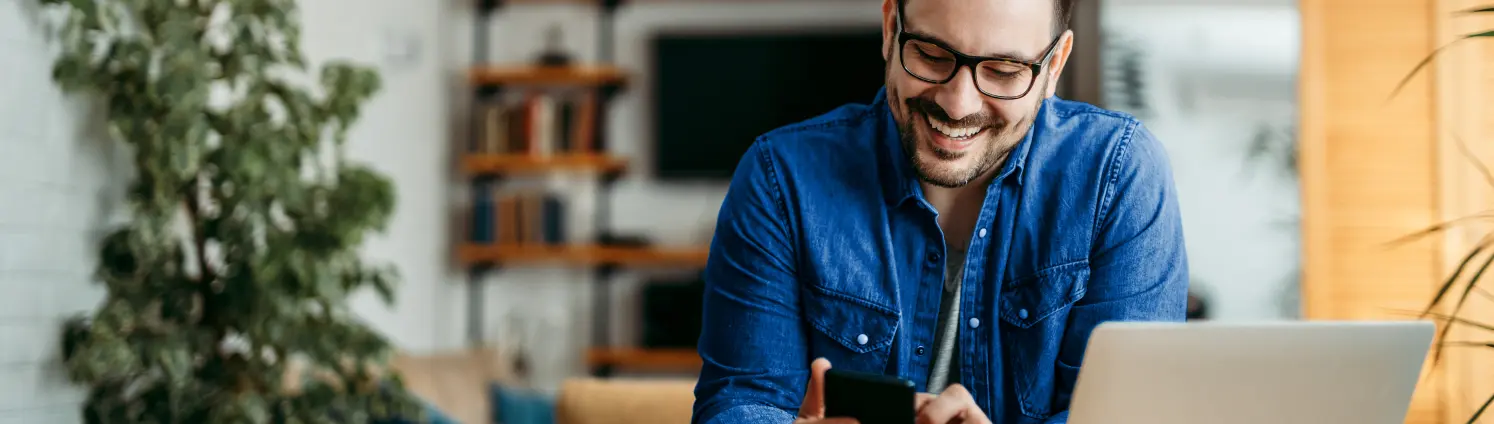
967 61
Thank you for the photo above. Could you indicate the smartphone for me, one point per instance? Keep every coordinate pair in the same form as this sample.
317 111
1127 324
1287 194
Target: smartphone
869 398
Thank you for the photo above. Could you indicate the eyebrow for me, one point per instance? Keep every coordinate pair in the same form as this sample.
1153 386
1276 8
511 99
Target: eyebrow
1007 55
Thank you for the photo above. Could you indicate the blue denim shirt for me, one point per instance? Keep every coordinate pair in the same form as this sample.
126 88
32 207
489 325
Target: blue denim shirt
825 247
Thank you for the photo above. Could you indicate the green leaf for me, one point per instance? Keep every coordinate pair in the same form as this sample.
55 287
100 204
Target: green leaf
1428 60
1459 320
1485 215
1474 419
1453 279
1472 282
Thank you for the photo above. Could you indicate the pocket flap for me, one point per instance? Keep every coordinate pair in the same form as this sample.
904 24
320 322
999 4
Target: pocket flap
1030 300
858 325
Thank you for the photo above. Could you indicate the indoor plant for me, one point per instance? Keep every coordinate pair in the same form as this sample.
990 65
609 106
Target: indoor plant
226 288
1453 293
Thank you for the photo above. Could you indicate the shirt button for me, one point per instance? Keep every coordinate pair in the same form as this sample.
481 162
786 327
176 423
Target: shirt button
919 351
1022 313
934 257
861 339
983 233
975 322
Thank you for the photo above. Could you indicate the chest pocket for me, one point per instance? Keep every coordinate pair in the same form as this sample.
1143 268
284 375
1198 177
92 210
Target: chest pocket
1035 312
853 334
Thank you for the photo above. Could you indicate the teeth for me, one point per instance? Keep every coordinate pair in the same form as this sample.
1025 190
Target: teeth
952 132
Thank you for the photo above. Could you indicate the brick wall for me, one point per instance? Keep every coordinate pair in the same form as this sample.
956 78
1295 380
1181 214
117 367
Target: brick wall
53 197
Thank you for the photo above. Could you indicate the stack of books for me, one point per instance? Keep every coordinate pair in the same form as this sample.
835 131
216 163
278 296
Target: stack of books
528 217
538 123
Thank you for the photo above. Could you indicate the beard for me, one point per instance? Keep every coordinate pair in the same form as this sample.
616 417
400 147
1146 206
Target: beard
1000 137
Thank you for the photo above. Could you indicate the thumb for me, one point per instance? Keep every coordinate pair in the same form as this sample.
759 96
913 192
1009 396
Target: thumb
814 395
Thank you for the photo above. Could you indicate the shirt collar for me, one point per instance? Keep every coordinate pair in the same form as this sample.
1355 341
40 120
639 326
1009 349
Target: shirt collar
902 183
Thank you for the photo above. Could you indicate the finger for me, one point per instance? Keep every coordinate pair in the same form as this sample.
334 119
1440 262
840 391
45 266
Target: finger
814 396
970 412
921 399
949 406
940 410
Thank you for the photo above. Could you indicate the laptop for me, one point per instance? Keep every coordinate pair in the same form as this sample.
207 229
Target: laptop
1226 373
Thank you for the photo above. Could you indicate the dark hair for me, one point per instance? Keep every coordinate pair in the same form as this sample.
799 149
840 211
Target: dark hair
1063 12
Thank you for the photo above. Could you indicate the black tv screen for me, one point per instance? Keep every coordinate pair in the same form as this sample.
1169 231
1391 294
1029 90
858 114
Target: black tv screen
714 93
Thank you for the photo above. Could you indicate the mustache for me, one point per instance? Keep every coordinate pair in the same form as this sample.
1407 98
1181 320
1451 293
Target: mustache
932 109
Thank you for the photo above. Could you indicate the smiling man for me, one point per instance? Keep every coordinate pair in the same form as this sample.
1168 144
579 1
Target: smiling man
966 230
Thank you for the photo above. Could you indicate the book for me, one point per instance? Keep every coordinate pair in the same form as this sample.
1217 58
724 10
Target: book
481 230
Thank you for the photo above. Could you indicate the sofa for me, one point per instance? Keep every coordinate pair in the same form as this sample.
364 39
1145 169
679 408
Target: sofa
460 385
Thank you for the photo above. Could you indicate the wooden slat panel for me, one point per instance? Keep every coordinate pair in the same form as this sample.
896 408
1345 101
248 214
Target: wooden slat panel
1368 170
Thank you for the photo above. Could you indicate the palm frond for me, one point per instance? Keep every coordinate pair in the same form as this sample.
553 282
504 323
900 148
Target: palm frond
1470 344
1485 293
1480 412
1457 272
1428 60
1489 215
1472 281
1473 159
1450 320
1461 320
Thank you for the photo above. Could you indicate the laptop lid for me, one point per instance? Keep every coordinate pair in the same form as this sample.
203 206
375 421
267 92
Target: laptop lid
1225 373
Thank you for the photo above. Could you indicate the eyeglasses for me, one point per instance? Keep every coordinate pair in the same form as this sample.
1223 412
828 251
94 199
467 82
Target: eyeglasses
935 63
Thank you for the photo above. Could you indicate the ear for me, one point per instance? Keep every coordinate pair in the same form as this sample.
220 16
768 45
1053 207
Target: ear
889 28
1060 59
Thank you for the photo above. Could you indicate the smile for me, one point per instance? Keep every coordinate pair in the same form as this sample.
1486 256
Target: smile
952 132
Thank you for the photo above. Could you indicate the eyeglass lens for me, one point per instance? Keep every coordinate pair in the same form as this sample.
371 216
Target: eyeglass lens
992 77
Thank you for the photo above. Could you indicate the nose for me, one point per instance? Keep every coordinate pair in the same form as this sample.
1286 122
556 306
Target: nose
959 97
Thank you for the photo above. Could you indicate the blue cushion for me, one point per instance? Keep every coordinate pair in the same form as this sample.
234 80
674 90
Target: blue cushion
436 417
520 406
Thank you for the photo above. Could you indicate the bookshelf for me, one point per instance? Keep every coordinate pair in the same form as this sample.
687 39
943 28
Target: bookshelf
531 120
515 164
589 75
586 255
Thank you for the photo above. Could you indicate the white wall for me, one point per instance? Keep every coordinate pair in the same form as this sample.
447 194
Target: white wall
54 194
402 133
1216 69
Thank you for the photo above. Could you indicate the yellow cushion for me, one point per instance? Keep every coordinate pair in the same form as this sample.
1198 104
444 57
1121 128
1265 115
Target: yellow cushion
595 401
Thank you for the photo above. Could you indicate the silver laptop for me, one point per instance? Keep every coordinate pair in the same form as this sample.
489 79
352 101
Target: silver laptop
1225 373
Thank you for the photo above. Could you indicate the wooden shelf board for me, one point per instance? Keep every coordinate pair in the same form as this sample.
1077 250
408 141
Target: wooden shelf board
540 75
522 163
639 358
583 255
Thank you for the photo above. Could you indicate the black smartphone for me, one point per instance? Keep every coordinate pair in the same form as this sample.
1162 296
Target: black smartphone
869 398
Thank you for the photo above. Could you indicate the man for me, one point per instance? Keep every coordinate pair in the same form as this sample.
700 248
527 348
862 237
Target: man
966 231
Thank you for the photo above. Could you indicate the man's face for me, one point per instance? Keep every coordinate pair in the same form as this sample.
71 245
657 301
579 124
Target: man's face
954 132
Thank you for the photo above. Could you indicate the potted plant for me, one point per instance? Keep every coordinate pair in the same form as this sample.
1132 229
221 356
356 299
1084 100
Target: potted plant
226 289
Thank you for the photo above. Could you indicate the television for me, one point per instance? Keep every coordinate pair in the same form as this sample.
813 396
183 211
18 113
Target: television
715 92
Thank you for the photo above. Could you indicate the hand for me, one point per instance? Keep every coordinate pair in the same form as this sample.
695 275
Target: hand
954 405
812 410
